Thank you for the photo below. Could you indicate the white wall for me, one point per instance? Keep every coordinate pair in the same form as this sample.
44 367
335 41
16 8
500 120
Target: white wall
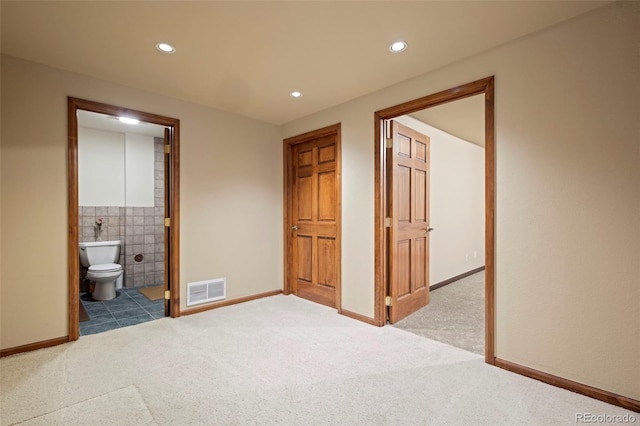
139 170
101 168
230 205
567 187
456 203
115 169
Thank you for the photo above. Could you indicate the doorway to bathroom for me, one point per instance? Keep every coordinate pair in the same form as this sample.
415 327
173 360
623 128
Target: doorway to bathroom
123 179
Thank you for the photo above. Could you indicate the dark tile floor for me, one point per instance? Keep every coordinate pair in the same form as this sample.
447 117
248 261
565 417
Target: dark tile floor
130 307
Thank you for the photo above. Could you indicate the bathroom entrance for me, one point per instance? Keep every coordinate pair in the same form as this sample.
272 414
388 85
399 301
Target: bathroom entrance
123 217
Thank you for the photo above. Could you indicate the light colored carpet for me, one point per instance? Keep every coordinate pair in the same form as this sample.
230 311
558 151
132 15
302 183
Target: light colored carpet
454 315
278 360
122 407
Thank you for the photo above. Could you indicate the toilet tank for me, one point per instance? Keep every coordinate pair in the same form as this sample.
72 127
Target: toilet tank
99 252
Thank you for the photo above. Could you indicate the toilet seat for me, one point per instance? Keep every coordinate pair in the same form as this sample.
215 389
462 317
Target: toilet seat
106 271
106 267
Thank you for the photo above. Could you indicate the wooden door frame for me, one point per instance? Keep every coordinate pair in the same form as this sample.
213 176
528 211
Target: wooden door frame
484 86
289 175
73 105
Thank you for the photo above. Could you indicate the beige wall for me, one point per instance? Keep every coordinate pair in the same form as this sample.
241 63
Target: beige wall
456 202
568 194
231 196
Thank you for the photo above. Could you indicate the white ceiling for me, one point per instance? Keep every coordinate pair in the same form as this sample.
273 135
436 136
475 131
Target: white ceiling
245 57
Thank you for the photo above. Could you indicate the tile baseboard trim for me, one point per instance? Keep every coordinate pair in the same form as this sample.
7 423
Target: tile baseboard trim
590 391
456 278
34 346
208 307
359 317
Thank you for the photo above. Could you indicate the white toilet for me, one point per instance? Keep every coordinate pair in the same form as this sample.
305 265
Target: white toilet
101 257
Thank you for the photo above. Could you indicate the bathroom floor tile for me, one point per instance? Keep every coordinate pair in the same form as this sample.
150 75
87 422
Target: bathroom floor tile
157 315
95 319
123 305
129 313
148 305
99 328
135 320
128 308
138 296
154 309
93 310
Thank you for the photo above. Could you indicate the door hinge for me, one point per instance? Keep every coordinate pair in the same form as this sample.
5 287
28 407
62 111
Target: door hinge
389 143
167 295
387 301
387 222
167 149
167 221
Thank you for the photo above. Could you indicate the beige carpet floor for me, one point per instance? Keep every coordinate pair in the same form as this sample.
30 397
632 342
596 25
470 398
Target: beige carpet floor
454 315
278 360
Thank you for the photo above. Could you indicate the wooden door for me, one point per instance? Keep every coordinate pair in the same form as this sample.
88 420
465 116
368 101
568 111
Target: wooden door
168 137
313 225
408 178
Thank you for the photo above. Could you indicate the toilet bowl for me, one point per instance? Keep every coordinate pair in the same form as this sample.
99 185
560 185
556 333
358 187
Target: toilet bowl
104 276
100 258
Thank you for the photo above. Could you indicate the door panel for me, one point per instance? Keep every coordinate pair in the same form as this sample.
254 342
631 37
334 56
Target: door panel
404 194
313 266
326 154
327 197
304 158
409 211
419 259
404 267
326 261
421 193
305 196
305 258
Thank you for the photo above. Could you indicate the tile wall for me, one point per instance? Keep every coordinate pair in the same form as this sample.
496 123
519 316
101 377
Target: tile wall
140 230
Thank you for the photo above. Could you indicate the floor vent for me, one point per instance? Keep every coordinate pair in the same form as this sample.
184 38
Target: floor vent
206 291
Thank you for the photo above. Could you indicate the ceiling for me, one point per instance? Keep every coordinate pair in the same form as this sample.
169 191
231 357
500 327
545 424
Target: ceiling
246 57
94 120
463 118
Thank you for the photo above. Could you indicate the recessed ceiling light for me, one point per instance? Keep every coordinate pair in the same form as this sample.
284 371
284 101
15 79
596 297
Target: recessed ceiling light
398 46
295 94
165 47
128 120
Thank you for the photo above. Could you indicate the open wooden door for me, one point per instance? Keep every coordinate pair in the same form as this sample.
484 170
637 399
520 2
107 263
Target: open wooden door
408 180
168 138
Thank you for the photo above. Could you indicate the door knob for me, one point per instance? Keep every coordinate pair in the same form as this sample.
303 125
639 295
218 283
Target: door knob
429 229
294 227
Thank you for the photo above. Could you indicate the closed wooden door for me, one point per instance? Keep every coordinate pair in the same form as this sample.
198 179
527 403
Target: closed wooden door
313 228
408 174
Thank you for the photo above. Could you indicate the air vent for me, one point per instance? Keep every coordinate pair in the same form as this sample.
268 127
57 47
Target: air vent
206 291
